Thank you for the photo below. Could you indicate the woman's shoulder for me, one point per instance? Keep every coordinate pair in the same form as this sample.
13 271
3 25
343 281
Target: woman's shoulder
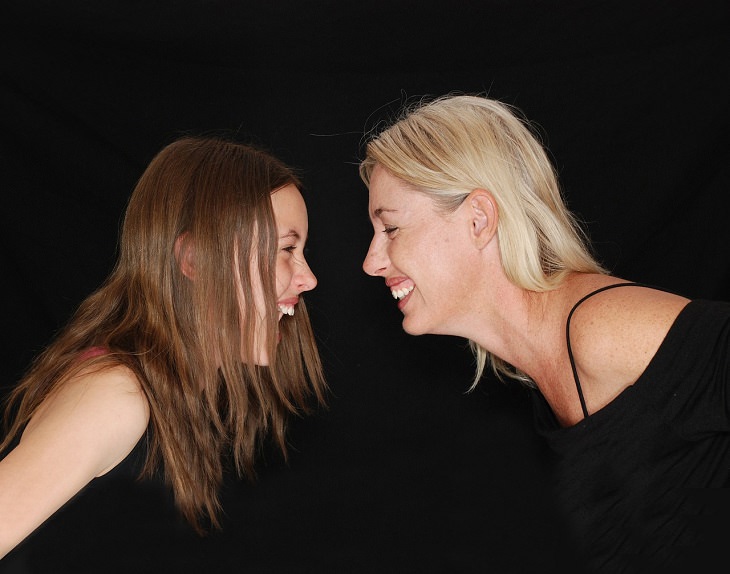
615 331
620 303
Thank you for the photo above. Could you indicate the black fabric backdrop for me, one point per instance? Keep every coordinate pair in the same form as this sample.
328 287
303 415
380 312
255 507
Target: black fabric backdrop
405 472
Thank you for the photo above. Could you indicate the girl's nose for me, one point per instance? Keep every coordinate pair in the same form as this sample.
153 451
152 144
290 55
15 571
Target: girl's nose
305 278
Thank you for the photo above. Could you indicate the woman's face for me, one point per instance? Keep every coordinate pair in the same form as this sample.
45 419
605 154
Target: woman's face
421 253
293 275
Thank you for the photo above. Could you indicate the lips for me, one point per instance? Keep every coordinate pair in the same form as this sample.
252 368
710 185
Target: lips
400 287
402 292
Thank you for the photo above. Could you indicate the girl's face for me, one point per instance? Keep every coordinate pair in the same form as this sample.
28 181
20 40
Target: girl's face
293 275
421 253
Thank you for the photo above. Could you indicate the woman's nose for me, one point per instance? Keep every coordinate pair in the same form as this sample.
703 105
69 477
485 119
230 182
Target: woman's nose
375 261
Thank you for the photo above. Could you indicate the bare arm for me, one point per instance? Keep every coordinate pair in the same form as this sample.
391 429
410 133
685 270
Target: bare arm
81 432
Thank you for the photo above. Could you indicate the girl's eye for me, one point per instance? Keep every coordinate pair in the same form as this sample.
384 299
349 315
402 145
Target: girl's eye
389 229
290 248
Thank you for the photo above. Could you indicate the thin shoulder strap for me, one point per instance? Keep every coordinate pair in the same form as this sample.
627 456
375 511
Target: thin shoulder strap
567 337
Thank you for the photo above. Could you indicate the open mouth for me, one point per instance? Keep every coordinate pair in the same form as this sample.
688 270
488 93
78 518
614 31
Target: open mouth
400 294
286 309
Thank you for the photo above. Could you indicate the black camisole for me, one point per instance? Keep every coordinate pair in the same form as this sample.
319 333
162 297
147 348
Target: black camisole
567 334
641 481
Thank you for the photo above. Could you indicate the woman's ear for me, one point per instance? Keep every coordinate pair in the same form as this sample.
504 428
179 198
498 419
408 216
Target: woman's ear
185 255
483 215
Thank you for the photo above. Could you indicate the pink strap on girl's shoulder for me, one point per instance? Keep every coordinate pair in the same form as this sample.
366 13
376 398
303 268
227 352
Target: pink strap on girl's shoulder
92 352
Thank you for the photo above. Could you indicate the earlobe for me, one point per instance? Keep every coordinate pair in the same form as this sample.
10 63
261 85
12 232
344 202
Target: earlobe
483 216
185 255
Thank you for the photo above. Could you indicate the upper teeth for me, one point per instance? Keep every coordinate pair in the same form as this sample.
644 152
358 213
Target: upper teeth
287 309
400 293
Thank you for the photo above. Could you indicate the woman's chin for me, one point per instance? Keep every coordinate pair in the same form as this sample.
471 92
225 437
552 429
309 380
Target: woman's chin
412 328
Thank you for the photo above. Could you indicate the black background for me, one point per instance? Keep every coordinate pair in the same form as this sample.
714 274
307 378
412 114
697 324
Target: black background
405 472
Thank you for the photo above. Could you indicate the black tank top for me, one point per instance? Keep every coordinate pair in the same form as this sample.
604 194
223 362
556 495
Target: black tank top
117 523
567 333
640 479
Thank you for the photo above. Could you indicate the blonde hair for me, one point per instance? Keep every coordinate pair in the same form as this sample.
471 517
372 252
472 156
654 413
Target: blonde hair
184 338
452 145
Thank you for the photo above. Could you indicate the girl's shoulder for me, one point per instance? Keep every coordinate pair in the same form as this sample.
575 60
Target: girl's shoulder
83 429
101 408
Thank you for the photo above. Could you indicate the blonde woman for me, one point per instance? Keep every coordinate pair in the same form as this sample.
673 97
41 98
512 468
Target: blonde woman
196 347
631 384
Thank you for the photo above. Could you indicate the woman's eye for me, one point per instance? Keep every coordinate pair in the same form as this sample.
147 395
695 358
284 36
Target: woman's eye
389 229
290 248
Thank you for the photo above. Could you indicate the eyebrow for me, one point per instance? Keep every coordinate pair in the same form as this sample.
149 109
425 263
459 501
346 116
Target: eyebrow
381 210
290 233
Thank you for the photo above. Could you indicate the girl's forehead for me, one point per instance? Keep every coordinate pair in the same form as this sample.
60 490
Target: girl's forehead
290 210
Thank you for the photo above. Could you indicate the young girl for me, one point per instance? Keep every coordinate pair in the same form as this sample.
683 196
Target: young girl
196 347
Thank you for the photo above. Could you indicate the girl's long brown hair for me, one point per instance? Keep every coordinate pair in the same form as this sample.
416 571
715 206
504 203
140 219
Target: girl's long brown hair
184 337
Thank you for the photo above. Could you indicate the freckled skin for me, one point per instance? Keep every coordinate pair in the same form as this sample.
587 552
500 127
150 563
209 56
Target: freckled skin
461 289
417 250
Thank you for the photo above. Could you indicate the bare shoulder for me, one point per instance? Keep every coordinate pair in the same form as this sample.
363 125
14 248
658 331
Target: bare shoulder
614 335
79 432
104 411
